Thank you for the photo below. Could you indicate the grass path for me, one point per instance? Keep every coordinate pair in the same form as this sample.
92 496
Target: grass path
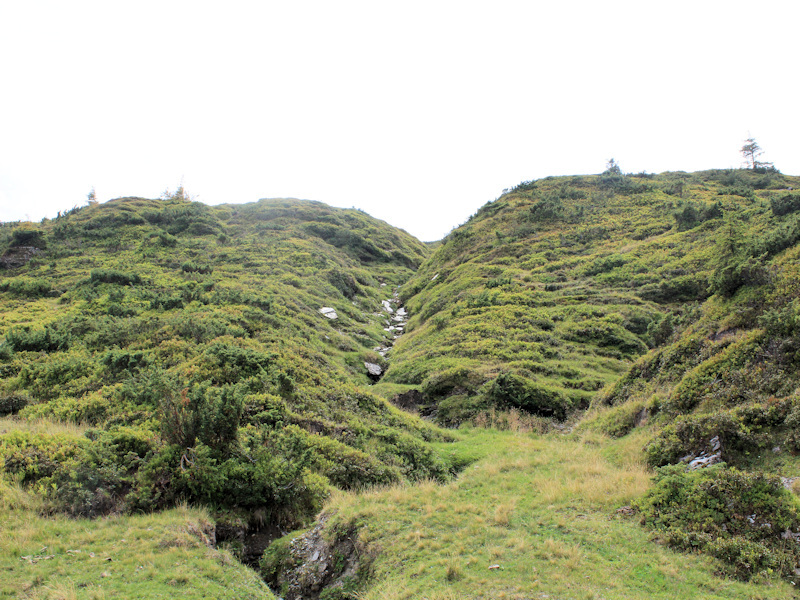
543 511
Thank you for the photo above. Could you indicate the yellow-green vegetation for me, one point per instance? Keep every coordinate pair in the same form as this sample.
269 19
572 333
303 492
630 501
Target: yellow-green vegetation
535 517
164 555
186 345
547 294
637 338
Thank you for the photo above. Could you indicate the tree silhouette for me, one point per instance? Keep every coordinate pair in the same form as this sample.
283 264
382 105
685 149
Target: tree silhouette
751 151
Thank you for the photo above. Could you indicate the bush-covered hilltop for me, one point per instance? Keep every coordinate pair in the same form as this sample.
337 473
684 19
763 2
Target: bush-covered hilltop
187 344
547 294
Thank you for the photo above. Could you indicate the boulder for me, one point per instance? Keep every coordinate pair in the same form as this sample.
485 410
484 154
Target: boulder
374 370
329 312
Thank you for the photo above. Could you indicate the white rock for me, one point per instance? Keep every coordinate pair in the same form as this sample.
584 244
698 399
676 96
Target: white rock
387 306
329 312
373 369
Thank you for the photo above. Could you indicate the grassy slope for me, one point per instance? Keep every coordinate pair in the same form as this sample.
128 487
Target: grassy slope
563 282
132 306
544 510
714 292
162 555
574 285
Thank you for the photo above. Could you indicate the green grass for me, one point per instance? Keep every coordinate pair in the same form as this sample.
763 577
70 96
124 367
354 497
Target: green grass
543 508
163 555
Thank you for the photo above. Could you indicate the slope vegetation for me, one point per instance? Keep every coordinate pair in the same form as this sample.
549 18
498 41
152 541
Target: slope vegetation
188 345
549 293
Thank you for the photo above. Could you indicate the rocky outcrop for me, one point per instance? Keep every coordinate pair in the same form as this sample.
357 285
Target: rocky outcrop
309 564
375 371
705 459
18 256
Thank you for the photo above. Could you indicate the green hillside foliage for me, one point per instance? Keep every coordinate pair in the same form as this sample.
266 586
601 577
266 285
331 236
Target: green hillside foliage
549 293
188 343
636 338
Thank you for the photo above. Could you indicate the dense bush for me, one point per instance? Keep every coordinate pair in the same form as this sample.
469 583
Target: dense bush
692 215
13 402
26 287
36 339
24 236
508 390
735 274
689 435
190 267
33 457
114 276
202 413
785 204
735 516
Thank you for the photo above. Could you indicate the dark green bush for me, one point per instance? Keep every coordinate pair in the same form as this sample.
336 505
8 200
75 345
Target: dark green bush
691 215
509 390
691 435
26 288
735 516
784 205
25 236
114 276
344 282
25 338
749 271
550 208
190 267
202 413
12 402
119 361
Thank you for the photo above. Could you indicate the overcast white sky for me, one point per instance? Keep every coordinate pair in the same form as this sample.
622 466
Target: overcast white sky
416 112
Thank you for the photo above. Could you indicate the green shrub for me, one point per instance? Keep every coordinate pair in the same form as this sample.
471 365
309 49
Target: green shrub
344 282
114 276
785 205
735 516
202 413
25 236
190 267
36 456
119 361
12 402
29 339
508 390
729 277
25 287
691 435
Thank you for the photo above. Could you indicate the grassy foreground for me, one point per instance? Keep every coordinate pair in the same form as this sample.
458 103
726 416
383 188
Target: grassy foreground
163 555
542 510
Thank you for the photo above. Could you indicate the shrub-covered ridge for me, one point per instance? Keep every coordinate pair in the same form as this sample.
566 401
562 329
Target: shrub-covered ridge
188 341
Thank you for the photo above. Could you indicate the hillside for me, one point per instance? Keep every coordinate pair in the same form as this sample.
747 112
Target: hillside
547 294
649 320
188 345
583 340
